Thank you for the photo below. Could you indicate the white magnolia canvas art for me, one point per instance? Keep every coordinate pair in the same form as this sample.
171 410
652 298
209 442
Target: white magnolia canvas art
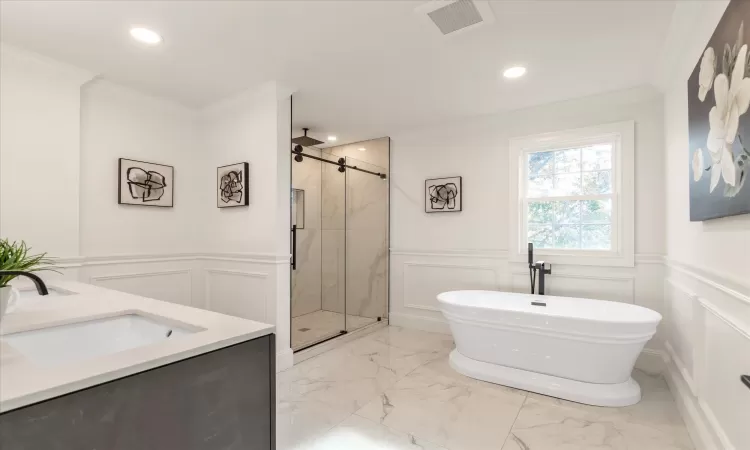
718 120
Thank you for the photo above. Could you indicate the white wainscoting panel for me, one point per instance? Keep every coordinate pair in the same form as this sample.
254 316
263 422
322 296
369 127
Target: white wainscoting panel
723 398
237 293
418 276
424 281
681 324
618 288
173 286
708 342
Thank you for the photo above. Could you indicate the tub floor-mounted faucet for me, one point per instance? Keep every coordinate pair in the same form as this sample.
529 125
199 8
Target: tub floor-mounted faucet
542 272
537 267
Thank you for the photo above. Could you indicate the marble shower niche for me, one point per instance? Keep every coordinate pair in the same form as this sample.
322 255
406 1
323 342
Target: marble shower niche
341 279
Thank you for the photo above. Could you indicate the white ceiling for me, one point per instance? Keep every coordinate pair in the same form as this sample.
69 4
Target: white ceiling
361 69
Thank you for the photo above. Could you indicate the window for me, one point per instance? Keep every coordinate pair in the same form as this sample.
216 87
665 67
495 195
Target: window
573 191
569 199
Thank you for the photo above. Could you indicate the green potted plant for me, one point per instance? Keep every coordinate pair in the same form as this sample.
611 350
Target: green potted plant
15 256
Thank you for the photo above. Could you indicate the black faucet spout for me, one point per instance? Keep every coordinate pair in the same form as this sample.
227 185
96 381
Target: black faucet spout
540 266
38 282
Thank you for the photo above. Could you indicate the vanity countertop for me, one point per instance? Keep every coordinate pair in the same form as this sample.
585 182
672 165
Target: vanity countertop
23 383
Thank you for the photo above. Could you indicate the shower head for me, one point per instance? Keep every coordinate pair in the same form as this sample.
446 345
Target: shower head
306 141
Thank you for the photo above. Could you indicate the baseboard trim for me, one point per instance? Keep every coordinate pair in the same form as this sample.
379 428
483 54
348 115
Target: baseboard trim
422 323
684 373
284 360
651 361
697 425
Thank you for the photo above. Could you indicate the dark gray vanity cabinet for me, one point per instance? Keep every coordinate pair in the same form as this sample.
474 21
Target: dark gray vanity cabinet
222 400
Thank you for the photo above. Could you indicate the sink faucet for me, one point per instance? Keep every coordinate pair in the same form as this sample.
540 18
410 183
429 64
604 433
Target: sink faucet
40 286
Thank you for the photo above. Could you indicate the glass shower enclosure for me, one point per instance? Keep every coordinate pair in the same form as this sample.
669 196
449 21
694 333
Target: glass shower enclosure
339 240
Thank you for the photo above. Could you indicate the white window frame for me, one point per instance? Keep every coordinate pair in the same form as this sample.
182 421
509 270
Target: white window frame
622 137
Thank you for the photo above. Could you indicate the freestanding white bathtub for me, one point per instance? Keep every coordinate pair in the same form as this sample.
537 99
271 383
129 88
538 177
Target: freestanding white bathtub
576 349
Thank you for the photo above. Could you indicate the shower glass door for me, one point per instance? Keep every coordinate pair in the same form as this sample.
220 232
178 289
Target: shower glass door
366 244
318 223
340 241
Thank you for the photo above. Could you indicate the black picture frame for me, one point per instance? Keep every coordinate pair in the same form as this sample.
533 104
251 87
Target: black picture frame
244 169
169 187
456 181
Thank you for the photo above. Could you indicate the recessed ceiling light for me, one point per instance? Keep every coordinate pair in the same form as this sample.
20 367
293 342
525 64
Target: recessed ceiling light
361 149
332 138
145 35
514 72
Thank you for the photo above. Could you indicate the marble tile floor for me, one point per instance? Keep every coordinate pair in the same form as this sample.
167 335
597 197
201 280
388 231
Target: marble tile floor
322 324
394 390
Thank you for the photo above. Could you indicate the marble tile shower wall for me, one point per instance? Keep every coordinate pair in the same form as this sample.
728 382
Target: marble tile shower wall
333 207
306 280
366 244
355 231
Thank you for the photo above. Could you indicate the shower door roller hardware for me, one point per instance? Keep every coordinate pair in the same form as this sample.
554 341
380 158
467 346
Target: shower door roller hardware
299 156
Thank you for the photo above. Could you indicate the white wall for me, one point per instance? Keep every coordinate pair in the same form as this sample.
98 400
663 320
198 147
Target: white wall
118 122
707 285
39 151
140 250
58 189
248 274
432 253
243 128
478 150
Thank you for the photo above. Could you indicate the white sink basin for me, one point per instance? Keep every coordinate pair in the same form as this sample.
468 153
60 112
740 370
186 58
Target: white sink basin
65 344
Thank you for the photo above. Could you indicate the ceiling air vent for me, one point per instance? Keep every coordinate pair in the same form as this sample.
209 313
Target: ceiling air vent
454 16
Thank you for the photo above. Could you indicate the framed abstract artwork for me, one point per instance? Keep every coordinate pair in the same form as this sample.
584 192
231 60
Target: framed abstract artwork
233 185
145 184
719 121
443 195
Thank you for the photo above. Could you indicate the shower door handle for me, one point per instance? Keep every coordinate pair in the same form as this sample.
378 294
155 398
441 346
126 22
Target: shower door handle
294 247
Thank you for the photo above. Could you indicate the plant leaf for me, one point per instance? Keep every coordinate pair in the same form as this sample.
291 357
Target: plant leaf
15 256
